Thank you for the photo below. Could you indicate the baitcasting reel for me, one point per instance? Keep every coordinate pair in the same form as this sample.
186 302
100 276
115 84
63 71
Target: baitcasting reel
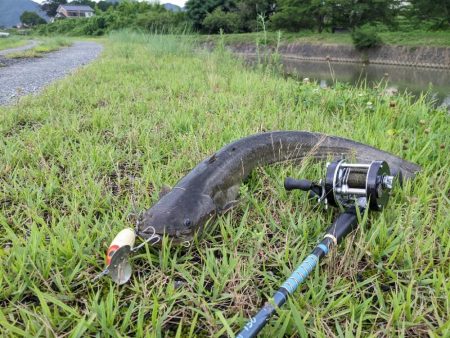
349 186
367 185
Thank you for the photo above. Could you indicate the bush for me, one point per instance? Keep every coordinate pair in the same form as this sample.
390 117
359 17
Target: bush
229 22
366 37
139 15
60 27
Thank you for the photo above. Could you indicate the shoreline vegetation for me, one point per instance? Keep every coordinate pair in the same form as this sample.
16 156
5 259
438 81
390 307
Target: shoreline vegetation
12 42
365 24
142 116
413 39
270 38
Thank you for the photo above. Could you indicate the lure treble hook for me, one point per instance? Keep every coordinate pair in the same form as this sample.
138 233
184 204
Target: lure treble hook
118 266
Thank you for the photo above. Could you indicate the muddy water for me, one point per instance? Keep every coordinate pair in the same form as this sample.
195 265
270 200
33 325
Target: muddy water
414 80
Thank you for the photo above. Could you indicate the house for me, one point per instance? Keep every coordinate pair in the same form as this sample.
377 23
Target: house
69 11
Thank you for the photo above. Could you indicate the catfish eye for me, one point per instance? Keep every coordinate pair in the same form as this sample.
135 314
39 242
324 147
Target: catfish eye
187 223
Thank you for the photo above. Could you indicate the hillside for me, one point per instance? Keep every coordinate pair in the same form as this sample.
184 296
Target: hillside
172 7
10 11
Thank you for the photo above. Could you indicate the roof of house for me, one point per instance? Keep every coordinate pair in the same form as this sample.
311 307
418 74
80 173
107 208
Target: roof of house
77 8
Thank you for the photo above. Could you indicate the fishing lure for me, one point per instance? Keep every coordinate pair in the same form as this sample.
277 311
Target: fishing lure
118 266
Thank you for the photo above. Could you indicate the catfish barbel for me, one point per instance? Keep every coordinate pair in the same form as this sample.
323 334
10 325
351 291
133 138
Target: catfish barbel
213 185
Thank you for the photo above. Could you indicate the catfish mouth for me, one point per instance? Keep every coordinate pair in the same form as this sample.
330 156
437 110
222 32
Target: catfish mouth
147 232
178 215
176 230
182 239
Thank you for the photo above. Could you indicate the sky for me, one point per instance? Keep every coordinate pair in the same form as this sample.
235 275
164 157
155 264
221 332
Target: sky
175 2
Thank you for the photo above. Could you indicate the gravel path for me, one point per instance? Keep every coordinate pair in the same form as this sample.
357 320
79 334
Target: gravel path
31 44
31 75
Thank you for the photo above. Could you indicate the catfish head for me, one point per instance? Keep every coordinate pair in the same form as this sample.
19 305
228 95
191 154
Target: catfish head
179 214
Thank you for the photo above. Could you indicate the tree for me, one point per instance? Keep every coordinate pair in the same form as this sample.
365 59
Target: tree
50 6
228 22
436 13
249 10
104 5
31 19
197 10
319 10
83 2
292 15
356 13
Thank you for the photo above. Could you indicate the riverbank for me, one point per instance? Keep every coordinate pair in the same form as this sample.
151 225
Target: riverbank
412 38
421 50
429 57
144 114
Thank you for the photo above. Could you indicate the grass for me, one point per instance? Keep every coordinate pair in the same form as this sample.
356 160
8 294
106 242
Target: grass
142 116
46 45
12 42
410 38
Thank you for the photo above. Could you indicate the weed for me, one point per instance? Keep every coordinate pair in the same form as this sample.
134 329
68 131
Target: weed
45 46
142 116
12 42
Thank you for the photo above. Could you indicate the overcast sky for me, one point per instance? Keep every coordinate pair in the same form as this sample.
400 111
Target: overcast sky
175 2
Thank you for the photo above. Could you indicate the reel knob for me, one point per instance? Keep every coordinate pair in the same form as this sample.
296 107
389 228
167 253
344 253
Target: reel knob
291 184
305 185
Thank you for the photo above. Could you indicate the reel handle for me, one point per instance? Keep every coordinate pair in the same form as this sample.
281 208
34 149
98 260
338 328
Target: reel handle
305 185
291 184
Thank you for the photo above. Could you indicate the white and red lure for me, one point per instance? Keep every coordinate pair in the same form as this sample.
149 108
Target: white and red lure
125 237
117 265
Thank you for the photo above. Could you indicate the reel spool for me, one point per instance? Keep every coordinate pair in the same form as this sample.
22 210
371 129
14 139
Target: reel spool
345 183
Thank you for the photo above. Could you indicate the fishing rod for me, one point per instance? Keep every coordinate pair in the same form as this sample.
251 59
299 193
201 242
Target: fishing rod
352 187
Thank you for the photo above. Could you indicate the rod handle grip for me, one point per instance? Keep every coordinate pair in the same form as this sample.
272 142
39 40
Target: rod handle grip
344 224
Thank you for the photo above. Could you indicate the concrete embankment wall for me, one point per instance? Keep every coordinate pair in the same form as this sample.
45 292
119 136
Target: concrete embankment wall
434 57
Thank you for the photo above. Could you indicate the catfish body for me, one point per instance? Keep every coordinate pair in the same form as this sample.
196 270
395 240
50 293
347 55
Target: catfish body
214 183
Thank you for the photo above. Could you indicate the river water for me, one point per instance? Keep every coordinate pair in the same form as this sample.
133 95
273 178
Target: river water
435 82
